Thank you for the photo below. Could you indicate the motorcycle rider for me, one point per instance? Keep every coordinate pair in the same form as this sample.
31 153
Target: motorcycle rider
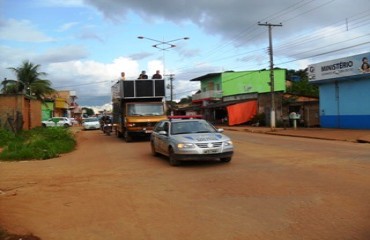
107 124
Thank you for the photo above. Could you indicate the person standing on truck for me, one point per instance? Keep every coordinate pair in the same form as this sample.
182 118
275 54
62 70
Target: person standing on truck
123 76
143 75
157 75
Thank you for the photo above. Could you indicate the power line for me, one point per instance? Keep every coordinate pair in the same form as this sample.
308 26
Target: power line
85 84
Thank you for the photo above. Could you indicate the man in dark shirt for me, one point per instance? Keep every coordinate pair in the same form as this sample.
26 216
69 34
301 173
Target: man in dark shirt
157 75
143 75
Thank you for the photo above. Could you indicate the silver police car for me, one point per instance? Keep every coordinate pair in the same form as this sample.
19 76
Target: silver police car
190 139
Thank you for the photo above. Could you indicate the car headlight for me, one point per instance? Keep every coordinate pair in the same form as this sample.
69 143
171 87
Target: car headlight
228 143
185 145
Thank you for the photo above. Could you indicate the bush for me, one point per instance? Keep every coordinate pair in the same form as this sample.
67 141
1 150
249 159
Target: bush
8 236
38 143
5 137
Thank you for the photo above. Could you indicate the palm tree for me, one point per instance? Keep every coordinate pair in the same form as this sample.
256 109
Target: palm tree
28 81
5 87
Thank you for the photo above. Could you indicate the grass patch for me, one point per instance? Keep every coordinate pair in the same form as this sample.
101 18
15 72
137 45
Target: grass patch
4 235
38 143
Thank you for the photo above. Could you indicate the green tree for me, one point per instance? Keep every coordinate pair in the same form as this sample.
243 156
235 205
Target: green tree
187 99
8 86
89 111
29 81
302 86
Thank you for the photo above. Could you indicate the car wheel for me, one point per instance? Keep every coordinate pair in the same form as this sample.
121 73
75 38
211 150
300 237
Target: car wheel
154 153
66 125
118 134
44 125
173 160
128 138
226 159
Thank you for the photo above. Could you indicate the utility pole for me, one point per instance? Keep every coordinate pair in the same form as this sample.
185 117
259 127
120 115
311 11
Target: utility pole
272 82
171 92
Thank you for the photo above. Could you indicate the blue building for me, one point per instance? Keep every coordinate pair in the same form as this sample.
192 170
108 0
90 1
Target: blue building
344 86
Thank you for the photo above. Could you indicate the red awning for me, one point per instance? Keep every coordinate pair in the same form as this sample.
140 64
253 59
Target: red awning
241 112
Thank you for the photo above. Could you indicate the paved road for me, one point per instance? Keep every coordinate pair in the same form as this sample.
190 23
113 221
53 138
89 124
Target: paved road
276 188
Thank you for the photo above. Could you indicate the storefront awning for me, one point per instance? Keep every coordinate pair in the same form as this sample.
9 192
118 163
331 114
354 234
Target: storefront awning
241 112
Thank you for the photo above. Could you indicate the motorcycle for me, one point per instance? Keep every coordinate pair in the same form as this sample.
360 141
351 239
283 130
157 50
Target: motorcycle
107 129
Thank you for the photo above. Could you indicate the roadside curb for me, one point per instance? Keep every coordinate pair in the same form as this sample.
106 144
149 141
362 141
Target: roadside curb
364 139
312 137
339 137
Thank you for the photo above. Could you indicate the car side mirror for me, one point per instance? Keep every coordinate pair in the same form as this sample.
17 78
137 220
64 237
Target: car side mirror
220 130
162 133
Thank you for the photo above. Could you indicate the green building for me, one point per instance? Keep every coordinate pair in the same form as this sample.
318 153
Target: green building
236 97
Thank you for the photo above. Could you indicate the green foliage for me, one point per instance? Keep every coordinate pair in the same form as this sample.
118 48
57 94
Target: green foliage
6 137
38 143
9 236
188 99
29 80
89 111
302 87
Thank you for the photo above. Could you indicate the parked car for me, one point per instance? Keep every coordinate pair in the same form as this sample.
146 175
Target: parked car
57 122
190 139
91 123
73 121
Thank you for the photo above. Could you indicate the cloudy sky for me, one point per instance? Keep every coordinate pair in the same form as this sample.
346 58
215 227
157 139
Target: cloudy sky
83 45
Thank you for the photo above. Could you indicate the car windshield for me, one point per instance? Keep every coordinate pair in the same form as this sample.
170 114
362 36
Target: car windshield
91 120
191 127
145 109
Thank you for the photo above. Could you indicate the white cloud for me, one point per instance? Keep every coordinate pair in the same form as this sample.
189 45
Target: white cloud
153 66
90 78
22 31
62 54
67 26
60 3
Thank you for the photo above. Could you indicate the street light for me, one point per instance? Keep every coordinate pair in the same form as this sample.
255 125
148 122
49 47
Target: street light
164 46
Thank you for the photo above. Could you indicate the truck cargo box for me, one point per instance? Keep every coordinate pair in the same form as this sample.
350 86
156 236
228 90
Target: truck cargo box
134 89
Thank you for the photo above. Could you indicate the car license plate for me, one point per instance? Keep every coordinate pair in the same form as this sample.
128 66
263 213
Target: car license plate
210 151
148 131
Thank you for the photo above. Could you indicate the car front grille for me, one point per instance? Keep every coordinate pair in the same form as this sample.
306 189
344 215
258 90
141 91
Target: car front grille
145 124
209 145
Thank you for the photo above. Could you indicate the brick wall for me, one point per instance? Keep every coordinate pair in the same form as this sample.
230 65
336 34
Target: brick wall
19 110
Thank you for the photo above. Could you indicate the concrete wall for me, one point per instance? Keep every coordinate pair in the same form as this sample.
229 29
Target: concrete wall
345 104
234 83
